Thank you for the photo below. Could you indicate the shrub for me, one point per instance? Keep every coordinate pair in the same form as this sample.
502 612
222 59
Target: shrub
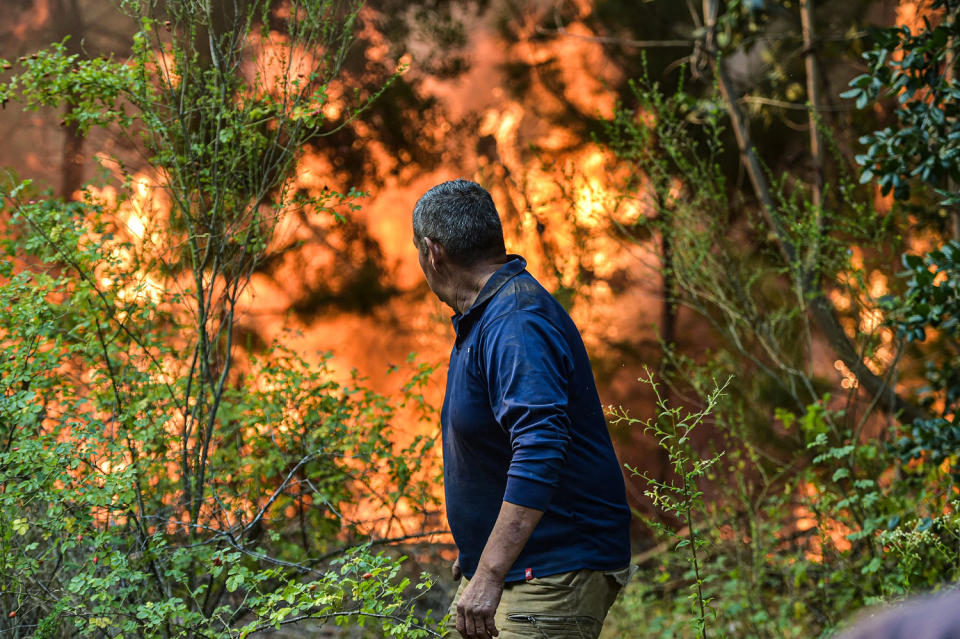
152 482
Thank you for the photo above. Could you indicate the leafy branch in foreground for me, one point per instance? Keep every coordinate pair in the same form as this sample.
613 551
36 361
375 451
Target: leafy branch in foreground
682 496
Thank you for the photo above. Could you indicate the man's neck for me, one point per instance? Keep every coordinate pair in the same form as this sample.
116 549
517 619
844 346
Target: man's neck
471 282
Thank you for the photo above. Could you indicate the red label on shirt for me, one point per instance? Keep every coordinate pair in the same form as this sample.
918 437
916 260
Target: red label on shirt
528 573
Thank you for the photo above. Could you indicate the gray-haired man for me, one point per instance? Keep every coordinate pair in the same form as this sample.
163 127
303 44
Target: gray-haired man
534 492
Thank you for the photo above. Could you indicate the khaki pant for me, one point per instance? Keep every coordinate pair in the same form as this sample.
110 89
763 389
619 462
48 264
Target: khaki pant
568 605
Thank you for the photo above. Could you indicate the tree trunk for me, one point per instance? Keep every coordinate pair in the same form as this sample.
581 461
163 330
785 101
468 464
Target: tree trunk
70 23
813 99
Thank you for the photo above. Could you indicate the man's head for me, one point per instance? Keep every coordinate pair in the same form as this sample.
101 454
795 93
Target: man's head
461 217
458 236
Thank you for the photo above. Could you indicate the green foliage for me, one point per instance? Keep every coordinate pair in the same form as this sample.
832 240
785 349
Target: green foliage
812 513
94 87
148 473
929 311
95 515
919 70
791 550
682 497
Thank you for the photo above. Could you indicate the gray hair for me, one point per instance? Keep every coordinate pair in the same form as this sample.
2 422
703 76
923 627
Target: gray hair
460 215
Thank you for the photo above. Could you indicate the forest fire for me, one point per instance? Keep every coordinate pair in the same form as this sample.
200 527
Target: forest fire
535 206
558 194
225 365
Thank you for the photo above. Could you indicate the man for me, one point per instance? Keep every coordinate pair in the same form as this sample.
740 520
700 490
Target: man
534 492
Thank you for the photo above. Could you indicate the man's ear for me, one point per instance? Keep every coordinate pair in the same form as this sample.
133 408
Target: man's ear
436 255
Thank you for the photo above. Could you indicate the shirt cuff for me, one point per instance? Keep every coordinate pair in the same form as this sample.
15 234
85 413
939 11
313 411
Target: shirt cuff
528 492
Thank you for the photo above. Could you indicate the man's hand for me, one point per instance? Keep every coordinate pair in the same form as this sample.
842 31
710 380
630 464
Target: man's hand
478 605
480 598
455 569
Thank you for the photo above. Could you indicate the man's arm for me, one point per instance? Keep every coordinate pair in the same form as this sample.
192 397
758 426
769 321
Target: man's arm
528 365
479 600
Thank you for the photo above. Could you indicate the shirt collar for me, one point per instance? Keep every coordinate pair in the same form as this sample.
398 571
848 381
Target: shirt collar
514 266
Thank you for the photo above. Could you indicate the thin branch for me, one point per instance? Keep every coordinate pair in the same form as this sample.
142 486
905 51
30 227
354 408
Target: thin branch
641 44
813 98
276 493
376 542
332 615
797 106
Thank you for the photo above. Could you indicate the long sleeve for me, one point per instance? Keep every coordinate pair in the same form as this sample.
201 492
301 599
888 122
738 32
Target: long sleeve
528 366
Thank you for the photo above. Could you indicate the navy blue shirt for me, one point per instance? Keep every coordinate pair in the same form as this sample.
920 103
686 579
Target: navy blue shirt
522 422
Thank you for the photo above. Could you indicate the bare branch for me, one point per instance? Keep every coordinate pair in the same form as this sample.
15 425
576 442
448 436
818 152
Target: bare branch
641 44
